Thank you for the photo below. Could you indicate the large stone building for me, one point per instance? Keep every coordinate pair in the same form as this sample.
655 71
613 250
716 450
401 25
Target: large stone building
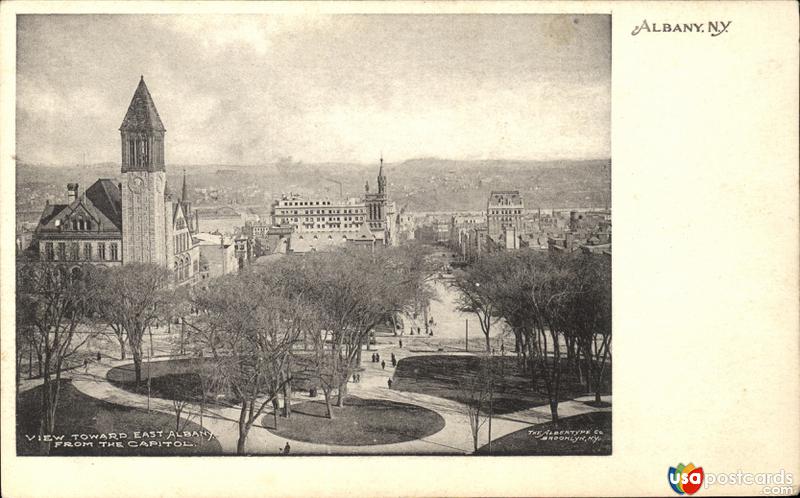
319 215
85 229
505 211
301 225
136 220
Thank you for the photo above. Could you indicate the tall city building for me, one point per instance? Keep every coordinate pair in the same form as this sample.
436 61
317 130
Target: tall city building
136 220
144 179
505 210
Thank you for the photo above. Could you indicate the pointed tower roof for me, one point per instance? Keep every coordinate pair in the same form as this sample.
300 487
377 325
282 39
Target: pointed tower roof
142 114
184 192
381 178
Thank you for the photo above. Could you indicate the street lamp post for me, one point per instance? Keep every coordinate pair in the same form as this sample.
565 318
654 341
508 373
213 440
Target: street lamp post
149 360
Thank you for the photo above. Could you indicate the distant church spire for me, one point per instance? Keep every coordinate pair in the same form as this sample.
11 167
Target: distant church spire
184 194
381 178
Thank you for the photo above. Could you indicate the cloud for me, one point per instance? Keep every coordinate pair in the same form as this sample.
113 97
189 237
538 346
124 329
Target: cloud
320 88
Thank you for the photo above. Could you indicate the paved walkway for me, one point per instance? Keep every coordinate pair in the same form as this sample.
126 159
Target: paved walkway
454 438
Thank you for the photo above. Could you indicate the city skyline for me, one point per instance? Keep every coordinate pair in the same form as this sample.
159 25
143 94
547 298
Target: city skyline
309 88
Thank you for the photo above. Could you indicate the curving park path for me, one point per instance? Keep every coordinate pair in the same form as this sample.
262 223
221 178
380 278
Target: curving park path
454 438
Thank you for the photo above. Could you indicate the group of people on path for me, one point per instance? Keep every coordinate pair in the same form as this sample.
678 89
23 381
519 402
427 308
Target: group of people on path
376 358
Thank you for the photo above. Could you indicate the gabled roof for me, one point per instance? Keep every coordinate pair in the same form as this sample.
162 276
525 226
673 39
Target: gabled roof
102 201
50 212
107 198
142 114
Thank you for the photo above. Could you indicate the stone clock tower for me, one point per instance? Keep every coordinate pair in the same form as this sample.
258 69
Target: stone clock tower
143 182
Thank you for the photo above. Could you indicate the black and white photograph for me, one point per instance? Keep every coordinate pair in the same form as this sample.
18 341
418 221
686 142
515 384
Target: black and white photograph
364 248
313 235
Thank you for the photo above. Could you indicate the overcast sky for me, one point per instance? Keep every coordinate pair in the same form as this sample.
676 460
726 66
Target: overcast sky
251 89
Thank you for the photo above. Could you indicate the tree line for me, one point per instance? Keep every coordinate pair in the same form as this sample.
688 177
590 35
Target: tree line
558 308
258 329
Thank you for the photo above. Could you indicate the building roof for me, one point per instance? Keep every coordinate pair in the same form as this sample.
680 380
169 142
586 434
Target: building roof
50 212
505 198
208 239
319 241
364 233
101 201
142 114
106 197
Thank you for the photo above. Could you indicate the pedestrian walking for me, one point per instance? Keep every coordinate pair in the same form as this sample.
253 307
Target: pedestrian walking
98 356
401 343
377 357
393 357
287 448
383 365
85 365
390 383
394 362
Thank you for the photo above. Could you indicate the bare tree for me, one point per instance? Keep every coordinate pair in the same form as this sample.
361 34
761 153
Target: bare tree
51 302
132 298
251 326
477 393
590 316
475 286
185 391
532 292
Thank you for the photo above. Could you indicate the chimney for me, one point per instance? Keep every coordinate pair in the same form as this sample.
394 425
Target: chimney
196 222
72 192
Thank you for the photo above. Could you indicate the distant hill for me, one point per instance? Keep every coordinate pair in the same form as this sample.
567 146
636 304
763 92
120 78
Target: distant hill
427 184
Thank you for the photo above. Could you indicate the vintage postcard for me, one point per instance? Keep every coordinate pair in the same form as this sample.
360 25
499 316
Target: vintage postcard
379 233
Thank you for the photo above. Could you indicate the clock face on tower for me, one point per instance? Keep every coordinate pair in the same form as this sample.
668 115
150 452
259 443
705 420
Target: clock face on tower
136 184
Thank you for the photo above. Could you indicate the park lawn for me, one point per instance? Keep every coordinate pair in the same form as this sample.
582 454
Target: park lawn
360 422
441 375
178 379
170 379
522 442
78 413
